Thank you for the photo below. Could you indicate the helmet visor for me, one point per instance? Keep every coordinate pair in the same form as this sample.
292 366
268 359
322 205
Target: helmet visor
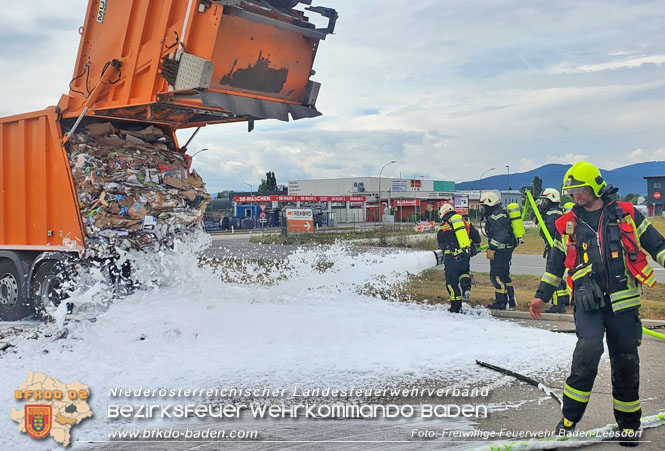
574 186
575 189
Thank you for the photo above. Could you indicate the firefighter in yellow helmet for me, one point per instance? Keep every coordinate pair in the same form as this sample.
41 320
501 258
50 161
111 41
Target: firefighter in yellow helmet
549 207
605 256
458 240
501 241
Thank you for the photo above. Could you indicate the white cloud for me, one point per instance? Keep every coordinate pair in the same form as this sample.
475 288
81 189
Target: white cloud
626 63
642 155
525 164
448 90
568 158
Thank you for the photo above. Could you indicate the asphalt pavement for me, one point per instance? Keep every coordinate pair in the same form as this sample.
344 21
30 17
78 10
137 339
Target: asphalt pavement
521 407
517 407
534 265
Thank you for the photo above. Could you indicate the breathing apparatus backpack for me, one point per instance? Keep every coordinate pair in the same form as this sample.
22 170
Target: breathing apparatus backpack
515 216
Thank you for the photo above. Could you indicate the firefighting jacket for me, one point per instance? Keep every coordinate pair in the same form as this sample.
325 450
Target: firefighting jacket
603 255
498 229
549 218
448 240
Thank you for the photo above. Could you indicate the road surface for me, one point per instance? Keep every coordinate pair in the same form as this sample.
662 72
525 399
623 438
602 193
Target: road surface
239 246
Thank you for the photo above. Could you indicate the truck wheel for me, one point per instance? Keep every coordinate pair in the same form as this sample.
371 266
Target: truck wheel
13 306
48 286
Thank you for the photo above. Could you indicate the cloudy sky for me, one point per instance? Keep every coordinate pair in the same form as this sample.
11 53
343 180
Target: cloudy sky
446 88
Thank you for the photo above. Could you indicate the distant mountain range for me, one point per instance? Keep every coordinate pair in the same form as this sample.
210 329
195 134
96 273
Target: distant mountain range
629 179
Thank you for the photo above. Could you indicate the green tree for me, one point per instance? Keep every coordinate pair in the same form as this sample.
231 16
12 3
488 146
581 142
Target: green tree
537 186
269 183
631 197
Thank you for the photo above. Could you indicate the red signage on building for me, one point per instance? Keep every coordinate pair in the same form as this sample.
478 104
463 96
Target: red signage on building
406 202
286 198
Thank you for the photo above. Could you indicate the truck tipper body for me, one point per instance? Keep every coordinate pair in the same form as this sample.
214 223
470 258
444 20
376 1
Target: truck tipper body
170 64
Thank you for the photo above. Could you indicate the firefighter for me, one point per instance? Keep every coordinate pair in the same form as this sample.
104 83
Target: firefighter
549 208
501 243
453 239
466 277
602 243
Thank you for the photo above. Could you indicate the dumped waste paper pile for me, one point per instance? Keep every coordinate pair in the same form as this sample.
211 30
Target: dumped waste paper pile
133 185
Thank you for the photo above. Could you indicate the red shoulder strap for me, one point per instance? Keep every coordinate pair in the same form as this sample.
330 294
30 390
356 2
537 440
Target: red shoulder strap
628 207
561 222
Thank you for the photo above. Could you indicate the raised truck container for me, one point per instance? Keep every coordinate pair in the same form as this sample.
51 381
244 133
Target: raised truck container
170 64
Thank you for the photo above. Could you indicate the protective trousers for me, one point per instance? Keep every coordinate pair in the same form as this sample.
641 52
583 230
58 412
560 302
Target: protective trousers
465 277
562 295
500 277
624 335
457 279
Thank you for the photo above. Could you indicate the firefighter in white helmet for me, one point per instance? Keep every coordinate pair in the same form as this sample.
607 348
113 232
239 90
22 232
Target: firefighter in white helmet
549 206
501 243
458 240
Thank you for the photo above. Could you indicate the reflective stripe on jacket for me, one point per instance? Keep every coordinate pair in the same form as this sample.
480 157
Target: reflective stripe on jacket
499 230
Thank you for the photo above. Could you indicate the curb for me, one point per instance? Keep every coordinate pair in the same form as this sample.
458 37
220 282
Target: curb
566 317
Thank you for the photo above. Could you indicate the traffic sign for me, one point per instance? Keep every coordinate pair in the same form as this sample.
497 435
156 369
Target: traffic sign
299 220
656 195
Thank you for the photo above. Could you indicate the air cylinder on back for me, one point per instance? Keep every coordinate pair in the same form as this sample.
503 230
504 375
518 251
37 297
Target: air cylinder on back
516 220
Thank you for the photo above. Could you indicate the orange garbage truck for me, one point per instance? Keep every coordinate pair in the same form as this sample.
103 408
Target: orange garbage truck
145 68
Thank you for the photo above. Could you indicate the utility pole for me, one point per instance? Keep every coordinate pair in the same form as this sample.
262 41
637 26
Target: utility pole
381 172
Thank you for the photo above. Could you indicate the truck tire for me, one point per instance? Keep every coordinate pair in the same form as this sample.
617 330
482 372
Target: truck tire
47 288
13 305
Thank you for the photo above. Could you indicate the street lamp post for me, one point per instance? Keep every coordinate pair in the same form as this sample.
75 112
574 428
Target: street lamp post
381 172
196 153
251 192
508 167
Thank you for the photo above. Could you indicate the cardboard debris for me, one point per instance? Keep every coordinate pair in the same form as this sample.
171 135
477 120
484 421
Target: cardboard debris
100 129
196 181
133 185
190 194
176 182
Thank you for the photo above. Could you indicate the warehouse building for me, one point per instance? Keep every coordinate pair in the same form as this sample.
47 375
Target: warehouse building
387 198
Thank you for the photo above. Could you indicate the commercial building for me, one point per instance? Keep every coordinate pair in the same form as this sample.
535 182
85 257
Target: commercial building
404 198
369 199
655 195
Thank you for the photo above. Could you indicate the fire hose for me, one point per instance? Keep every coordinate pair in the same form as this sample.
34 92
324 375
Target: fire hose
557 441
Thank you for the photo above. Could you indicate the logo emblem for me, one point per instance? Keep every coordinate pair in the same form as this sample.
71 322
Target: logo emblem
101 11
38 420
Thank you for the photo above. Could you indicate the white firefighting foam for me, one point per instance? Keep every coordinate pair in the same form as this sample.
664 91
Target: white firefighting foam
206 326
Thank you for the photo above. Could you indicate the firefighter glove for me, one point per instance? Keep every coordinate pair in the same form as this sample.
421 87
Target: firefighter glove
490 254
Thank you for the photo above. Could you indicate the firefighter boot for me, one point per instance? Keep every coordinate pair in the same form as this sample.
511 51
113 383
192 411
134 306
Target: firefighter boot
556 308
500 301
455 306
500 294
497 305
629 438
565 427
512 304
